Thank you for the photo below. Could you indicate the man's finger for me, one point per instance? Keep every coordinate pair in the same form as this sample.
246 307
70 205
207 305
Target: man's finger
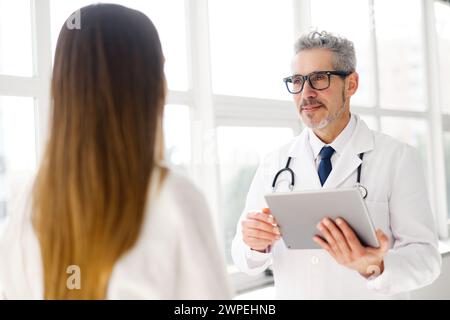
329 238
338 236
259 234
261 217
324 245
349 234
321 243
268 212
257 244
259 225
383 240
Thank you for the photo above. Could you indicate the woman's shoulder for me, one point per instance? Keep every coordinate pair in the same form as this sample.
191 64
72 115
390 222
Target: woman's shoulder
173 201
177 188
174 179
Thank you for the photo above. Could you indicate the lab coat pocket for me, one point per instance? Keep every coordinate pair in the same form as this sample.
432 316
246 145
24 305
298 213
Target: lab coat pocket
379 213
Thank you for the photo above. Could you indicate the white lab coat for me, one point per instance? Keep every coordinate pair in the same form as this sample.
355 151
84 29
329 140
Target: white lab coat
398 204
176 256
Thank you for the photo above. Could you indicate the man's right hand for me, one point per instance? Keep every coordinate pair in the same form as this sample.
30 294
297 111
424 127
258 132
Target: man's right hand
259 230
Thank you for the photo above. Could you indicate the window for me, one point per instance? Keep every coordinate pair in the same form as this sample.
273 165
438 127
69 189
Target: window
400 54
177 135
370 121
240 151
168 17
15 47
411 131
447 165
333 16
408 130
442 13
17 148
251 53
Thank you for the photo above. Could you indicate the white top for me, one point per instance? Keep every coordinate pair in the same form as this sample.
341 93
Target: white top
176 256
397 202
338 144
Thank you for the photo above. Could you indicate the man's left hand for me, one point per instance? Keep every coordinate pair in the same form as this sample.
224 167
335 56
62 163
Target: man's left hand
341 242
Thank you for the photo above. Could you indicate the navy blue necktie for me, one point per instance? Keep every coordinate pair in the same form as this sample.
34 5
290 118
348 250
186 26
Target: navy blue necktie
325 163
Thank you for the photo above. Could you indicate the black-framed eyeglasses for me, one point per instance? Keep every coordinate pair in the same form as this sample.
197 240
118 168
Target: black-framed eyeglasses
318 80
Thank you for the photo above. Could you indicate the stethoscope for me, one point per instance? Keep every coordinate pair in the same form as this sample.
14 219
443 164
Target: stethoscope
362 189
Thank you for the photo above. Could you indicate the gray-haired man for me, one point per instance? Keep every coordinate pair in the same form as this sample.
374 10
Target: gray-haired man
327 154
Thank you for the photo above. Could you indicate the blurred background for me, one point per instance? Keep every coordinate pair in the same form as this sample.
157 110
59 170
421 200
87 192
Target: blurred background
227 105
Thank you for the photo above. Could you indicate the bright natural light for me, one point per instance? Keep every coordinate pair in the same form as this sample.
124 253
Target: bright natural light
168 17
328 15
442 12
240 151
177 135
17 147
250 57
402 75
409 130
15 47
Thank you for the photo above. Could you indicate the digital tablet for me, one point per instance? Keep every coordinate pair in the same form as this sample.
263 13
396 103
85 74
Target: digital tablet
298 212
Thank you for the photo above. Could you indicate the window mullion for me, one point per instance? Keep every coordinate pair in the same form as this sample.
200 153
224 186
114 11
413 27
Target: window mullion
302 17
375 65
438 187
42 65
204 151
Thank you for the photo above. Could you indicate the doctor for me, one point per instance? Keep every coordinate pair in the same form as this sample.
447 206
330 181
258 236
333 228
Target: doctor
327 154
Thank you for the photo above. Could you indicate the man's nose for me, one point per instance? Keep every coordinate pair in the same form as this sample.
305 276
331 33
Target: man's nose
308 91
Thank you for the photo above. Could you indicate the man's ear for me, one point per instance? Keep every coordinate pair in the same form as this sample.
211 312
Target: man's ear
352 84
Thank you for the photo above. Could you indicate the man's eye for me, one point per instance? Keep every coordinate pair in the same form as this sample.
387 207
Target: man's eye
319 77
296 81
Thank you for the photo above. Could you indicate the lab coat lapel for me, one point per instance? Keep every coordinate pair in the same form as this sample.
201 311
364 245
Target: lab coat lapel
361 141
306 177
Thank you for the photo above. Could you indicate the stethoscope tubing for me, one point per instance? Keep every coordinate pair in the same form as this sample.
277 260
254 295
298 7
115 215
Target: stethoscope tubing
362 189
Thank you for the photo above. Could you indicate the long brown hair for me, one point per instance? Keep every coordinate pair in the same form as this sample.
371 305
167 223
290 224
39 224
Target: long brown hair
108 91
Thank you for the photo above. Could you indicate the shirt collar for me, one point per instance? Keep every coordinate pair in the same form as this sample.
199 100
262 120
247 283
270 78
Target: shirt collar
338 144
